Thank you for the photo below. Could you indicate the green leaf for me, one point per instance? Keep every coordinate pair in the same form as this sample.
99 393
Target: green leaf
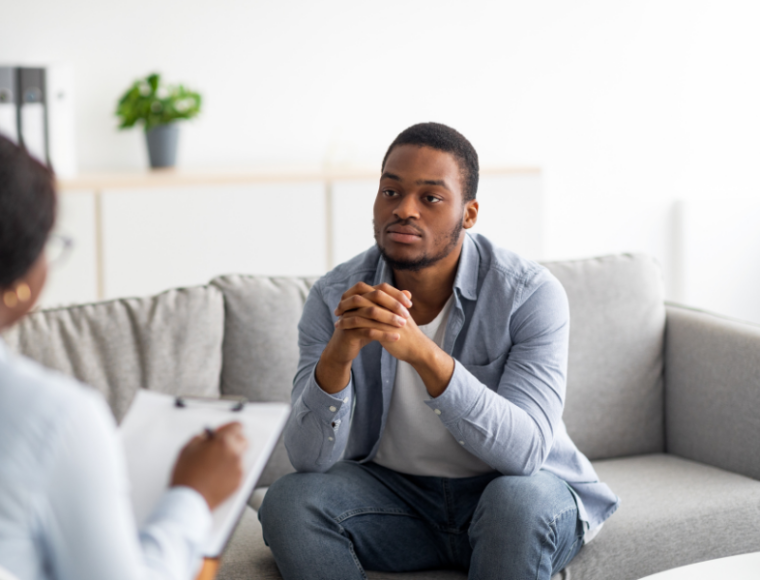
140 103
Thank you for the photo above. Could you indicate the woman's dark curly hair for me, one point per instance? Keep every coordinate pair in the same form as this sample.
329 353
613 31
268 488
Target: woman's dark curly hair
27 210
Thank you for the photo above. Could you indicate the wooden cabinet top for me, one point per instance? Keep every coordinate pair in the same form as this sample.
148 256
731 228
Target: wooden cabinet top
188 177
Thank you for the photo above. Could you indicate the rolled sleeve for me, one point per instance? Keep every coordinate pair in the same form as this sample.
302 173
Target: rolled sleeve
318 430
327 407
459 397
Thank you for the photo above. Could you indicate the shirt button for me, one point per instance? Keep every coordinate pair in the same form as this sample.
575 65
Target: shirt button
345 400
437 411
331 438
461 442
333 409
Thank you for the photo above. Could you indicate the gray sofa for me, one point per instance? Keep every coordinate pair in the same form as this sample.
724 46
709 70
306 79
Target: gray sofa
664 400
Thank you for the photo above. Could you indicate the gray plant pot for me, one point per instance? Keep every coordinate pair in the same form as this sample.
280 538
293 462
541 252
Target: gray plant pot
162 145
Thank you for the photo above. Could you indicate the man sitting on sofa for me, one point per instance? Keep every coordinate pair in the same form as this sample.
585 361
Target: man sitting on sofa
427 408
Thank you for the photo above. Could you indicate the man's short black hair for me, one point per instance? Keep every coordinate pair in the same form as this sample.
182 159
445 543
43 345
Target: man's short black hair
27 211
443 138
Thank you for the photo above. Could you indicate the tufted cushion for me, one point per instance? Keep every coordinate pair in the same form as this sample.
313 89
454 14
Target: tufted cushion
171 343
261 344
615 399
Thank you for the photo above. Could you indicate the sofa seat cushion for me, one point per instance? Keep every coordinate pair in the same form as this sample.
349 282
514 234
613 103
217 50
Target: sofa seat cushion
170 343
674 512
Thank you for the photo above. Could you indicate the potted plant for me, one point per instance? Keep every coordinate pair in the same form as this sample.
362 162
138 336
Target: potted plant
158 107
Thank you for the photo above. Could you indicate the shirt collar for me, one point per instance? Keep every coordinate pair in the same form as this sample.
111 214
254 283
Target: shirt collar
467 271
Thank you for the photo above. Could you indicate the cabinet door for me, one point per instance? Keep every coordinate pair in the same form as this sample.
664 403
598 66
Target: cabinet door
74 279
155 239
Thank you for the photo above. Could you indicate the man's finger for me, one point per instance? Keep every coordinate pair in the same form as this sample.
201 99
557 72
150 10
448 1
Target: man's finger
403 296
374 297
392 303
358 288
352 322
352 303
379 335
378 314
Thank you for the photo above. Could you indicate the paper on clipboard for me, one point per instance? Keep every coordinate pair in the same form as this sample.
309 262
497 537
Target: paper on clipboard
155 430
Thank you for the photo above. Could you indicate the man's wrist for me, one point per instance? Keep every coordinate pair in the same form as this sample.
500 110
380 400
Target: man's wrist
435 368
332 375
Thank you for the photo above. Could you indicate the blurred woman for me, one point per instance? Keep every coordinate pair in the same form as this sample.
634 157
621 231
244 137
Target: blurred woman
65 511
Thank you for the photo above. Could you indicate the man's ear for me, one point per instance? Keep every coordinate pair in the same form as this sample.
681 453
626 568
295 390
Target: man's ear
470 214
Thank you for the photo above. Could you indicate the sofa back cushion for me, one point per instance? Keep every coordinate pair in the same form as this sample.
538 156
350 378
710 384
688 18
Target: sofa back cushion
170 343
261 344
615 394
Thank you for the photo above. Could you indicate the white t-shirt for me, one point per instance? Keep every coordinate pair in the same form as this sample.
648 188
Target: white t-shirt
415 441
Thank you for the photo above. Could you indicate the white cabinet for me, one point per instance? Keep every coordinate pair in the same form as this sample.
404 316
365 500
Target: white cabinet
74 280
161 238
141 234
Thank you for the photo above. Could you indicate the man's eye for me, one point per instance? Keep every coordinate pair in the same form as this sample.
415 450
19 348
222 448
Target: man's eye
389 193
432 199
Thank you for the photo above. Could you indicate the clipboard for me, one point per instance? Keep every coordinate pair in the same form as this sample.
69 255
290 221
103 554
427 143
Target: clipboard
156 428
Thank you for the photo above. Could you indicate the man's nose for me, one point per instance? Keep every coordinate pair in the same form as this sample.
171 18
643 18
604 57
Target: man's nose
406 208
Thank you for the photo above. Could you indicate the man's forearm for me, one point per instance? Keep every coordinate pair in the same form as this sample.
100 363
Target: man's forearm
332 375
435 368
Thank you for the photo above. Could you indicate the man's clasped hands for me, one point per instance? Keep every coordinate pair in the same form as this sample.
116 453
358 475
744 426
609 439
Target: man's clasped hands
367 313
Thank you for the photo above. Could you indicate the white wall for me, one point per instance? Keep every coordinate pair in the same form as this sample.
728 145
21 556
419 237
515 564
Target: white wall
627 106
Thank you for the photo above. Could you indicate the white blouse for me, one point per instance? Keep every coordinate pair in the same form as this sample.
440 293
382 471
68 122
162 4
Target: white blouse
65 511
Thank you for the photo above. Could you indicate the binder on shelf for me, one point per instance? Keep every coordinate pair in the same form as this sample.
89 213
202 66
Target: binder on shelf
8 103
59 99
32 113
46 116
156 428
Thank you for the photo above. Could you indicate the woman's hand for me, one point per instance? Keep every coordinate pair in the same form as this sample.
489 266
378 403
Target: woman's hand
212 463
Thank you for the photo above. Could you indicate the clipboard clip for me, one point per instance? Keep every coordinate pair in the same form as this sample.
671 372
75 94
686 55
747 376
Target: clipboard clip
236 403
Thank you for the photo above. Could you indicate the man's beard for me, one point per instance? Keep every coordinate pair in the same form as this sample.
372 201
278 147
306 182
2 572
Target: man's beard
425 260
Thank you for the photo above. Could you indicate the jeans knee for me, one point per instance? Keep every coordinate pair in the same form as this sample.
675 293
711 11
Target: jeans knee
288 500
528 502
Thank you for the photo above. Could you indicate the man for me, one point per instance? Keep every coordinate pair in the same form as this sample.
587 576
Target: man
427 408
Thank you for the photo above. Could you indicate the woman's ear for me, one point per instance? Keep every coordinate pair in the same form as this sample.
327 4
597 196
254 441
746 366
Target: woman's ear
18 299
18 296
470 214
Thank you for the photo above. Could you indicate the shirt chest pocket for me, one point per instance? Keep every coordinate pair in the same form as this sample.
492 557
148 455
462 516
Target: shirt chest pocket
489 374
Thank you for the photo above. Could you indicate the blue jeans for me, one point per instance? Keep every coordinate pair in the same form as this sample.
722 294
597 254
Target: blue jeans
359 516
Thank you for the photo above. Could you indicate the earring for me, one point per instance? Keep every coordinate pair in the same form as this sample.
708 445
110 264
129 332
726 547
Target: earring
22 294
10 299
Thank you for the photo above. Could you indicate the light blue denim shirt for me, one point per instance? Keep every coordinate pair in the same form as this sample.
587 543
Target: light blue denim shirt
65 510
508 334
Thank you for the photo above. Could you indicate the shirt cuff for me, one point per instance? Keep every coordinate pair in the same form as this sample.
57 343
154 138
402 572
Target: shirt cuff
325 406
187 508
459 396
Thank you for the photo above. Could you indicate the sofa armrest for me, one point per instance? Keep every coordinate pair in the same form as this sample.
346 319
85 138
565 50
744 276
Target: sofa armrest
712 390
